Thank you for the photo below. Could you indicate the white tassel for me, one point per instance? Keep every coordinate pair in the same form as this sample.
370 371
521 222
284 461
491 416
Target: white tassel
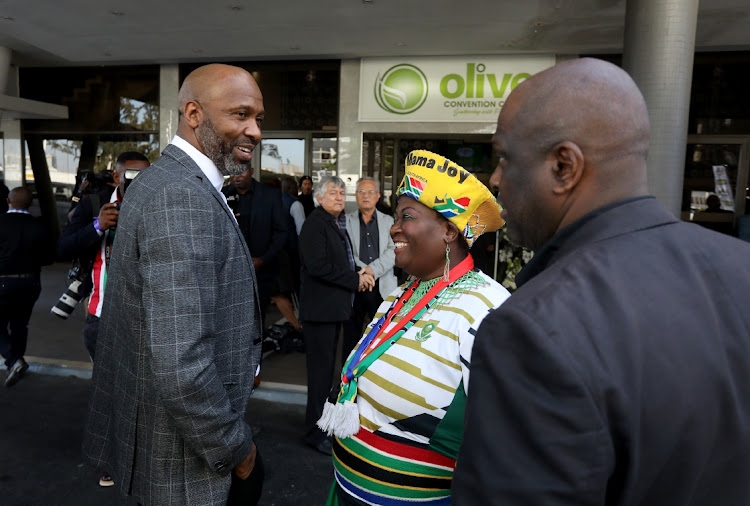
347 420
326 420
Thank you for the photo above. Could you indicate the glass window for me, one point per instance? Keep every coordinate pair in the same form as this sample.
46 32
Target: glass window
324 158
280 158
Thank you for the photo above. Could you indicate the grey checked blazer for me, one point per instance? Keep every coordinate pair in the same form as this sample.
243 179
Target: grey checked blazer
178 344
382 266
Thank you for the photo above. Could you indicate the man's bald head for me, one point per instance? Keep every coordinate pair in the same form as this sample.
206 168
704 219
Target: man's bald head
208 82
221 111
570 139
587 101
20 198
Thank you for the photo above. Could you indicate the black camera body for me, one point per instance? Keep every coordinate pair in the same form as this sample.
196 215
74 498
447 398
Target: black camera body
91 183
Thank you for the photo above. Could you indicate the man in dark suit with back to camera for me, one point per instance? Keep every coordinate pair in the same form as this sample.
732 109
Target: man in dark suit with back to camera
260 214
179 339
25 245
619 371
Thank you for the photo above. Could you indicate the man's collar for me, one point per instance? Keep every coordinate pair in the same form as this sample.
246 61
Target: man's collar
611 220
204 163
19 211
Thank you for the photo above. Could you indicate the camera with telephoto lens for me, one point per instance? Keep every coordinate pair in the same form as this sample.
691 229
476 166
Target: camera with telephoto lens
76 291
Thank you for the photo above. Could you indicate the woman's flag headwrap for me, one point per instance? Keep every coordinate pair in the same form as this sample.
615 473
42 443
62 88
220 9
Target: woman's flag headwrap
453 192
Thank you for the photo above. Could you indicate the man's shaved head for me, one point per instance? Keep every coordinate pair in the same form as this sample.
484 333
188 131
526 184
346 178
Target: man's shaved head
208 82
20 198
570 139
590 102
221 110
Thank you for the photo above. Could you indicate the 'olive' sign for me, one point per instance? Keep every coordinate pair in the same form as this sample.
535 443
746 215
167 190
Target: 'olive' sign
449 89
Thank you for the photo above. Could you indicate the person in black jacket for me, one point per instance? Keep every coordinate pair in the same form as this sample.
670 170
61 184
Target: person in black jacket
90 233
25 245
329 281
618 372
3 197
306 194
261 218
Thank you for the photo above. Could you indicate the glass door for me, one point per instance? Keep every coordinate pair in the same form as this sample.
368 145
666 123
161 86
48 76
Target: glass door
715 183
280 156
295 154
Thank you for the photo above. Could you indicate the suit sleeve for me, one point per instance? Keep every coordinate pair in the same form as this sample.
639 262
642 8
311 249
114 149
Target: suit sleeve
387 256
532 432
279 228
80 234
313 246
178 263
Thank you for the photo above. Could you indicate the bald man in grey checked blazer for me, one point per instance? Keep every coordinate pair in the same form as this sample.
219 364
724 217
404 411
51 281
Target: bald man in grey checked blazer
180 331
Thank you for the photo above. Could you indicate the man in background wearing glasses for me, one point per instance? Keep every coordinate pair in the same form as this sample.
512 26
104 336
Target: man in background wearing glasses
370 234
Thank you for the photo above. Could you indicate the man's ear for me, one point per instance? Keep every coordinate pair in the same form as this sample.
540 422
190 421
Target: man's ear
193 114
568 166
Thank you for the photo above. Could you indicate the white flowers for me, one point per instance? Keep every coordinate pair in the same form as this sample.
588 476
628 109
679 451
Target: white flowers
511 259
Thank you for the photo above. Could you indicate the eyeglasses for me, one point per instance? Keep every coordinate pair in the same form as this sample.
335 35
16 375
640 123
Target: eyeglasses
367 192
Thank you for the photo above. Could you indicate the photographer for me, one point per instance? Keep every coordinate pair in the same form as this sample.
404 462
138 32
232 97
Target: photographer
89 237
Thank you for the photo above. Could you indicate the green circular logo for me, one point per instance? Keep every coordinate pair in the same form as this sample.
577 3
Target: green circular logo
402 89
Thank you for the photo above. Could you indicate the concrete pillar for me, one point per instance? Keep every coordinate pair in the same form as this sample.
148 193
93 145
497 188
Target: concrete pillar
12 167
169 85
349 152
5 56
658 54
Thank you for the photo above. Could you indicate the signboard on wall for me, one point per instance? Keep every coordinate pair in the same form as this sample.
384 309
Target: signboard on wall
442 89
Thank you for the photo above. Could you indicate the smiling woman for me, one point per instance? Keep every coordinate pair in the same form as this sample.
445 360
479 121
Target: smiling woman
398 414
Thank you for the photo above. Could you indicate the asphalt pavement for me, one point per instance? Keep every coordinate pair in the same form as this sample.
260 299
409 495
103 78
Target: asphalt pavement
41 428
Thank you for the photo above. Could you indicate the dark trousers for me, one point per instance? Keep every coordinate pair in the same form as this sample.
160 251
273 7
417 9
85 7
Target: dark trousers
320 351
247 492
90 331
17 299
365 306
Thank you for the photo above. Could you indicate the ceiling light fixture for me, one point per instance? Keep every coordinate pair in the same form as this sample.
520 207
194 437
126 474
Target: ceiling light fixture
236 7
8 18
366 1
118 13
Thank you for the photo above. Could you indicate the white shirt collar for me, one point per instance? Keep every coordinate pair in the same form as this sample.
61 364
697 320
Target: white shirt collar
205 163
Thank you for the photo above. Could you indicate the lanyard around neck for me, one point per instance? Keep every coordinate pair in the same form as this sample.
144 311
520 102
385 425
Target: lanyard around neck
372 346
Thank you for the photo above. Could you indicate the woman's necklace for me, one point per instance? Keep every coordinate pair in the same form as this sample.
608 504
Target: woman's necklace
420 291
468 281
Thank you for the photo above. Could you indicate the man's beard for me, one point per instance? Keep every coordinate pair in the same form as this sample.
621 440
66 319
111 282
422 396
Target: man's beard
218 151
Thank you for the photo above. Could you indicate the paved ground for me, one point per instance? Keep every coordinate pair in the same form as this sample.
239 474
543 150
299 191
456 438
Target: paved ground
55 341
41 422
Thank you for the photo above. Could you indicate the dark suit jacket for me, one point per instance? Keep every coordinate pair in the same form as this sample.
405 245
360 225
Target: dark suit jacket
25 244
79 239
266 229
178 344
328 282
618 373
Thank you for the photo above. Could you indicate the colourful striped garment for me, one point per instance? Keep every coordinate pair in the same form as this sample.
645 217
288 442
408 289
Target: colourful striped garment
411 406
99 271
